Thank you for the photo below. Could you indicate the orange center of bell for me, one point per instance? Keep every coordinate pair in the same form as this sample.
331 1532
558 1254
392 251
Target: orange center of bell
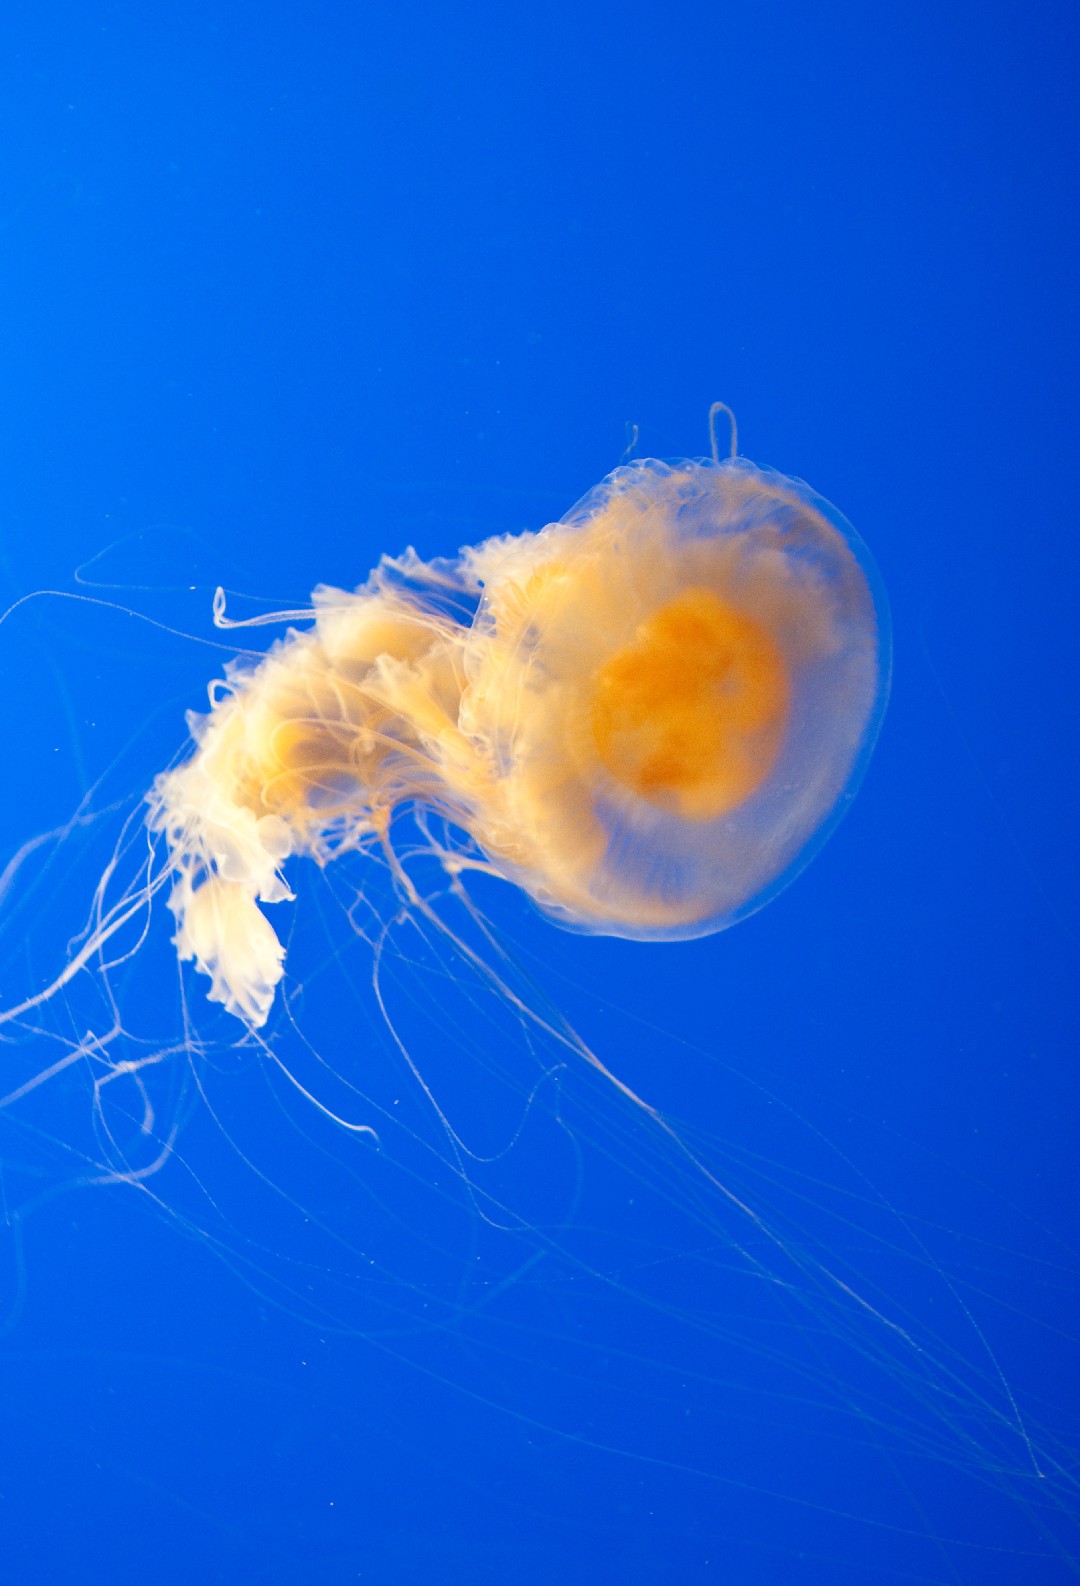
690 715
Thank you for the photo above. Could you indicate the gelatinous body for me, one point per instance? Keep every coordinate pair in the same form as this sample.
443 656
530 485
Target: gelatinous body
647 715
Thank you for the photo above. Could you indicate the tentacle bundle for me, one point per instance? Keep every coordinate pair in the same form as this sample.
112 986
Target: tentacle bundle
648 715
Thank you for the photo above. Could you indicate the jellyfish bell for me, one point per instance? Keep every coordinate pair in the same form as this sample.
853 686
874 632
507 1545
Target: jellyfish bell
648 716
679 685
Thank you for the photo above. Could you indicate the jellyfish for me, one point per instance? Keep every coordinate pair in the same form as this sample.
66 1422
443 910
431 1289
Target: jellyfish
645 719
648 716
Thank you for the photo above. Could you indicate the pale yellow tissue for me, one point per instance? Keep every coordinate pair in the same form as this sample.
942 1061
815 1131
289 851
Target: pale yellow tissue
655 705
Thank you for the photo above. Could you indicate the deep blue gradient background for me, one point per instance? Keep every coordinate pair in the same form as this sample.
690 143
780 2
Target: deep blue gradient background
283 287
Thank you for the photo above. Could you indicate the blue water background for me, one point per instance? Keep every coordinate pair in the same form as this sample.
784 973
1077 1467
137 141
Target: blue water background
285 287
